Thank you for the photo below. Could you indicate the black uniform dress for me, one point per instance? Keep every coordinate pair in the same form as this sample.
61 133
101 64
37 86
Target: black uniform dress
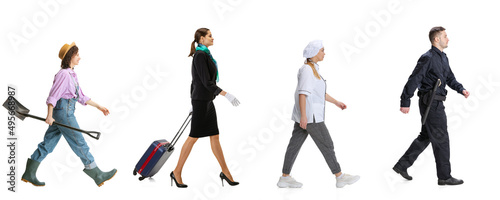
431 66
203 90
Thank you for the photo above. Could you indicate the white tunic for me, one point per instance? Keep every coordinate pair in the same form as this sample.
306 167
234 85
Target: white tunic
315 91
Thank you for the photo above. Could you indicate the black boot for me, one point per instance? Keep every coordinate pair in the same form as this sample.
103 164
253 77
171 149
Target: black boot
403 173
29 175
450 181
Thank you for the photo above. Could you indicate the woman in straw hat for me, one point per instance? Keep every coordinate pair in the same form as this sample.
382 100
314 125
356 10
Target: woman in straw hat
64 94
309 114
204 89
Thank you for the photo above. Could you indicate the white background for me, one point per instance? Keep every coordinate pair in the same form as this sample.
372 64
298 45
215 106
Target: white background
134 62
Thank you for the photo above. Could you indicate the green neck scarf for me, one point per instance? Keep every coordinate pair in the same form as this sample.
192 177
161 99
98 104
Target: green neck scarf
204 48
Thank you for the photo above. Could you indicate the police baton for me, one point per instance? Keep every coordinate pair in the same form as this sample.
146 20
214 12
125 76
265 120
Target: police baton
433 94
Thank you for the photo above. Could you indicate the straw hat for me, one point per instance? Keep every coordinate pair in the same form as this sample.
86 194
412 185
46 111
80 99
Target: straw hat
64 49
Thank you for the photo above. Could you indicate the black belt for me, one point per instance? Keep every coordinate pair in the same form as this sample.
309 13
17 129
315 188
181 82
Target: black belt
421 94
439 98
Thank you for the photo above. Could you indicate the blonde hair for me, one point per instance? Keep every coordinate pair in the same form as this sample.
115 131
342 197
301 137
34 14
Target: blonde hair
310 63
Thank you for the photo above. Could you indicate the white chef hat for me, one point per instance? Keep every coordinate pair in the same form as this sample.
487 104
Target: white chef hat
312 48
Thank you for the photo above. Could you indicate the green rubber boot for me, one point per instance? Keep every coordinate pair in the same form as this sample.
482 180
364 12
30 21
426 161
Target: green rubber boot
99 176
29 175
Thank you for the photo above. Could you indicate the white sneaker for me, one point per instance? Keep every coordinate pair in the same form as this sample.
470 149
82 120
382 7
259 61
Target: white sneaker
288 182
346 179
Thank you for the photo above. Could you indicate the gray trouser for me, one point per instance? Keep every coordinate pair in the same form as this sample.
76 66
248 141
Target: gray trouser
321 137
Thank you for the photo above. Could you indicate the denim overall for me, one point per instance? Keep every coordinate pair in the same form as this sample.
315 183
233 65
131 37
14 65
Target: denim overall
64 113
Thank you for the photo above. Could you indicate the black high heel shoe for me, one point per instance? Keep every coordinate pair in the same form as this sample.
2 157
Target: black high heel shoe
224 177
172 178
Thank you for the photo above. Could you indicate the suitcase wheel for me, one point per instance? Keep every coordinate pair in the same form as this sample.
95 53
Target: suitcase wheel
135 172
141 178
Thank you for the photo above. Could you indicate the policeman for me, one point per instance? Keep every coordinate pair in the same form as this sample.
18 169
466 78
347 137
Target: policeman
431 66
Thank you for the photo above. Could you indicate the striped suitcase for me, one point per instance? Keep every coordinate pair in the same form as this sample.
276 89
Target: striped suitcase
157 154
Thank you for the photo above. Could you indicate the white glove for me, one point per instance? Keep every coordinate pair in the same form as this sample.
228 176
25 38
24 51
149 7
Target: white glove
191 109
231 98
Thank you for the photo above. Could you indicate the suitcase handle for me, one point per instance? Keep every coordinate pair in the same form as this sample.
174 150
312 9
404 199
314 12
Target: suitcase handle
181 130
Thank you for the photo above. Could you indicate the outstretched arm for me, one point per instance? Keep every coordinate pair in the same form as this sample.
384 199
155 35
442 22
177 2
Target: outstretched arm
334 101
454 84
104 110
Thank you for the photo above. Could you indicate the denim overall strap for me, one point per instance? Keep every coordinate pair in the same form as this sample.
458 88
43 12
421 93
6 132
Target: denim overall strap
77 87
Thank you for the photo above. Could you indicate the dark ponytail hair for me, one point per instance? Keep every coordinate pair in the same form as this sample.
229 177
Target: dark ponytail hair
66 61
201 32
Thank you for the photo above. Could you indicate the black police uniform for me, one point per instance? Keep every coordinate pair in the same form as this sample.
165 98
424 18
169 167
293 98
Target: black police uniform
431 66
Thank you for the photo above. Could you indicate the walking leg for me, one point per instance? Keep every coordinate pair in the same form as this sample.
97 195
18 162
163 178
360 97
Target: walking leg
185 151
217 150
299 135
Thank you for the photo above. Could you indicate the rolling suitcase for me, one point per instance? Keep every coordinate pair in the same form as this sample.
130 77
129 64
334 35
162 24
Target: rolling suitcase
157 154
